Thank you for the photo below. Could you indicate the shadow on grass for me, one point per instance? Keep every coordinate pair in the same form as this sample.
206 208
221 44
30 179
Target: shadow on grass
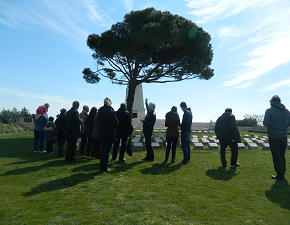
55 163
160 169
221 173
280 194
61 183
122 167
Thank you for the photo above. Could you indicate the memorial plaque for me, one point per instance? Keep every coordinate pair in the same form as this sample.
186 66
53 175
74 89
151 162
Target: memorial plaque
213 146
265 146
198 146
137 146
241 146
252 146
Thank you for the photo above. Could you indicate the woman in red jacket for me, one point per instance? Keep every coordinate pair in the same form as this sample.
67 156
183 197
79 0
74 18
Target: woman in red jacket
172 121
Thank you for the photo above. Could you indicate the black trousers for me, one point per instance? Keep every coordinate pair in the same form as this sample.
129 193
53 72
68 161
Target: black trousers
171 141
150 152
71 149
49 146
123 148
234 150
278 149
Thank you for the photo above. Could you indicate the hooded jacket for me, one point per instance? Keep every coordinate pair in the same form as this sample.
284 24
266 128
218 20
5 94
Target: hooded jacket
186 120
277 120
50 130
39 122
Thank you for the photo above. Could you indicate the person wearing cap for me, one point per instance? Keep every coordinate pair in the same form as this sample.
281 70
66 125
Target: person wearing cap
185 132
277 121
227 132
148 124
83 115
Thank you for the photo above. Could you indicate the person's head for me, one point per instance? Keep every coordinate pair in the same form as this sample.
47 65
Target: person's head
183 106
57 116
51 118
123 106
174 109
86 108
46 106
63 111
93 110
275 98
76 104
108 101
228 110
41 109
151 107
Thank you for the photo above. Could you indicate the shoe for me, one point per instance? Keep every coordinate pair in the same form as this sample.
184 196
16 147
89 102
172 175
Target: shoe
224 166
237 164
278 178
150 160
35 151
145 159
165 161
122 160
173 161
183 162
42 151
106 171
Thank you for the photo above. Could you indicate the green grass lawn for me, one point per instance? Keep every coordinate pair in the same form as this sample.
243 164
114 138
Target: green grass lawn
43 189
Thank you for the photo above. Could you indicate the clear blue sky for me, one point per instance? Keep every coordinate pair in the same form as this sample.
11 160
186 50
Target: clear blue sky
43 52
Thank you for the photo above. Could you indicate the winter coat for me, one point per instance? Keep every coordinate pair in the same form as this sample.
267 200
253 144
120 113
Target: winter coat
60 125
108 123
125 127
90 124
186 120
72 124
50 130
149 122
172 121
96 128
226 128
39 121
277 120
83 116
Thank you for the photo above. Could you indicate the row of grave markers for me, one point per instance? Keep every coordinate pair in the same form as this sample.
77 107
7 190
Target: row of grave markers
205 142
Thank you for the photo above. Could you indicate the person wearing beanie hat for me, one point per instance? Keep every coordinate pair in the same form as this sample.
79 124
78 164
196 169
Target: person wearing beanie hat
277 121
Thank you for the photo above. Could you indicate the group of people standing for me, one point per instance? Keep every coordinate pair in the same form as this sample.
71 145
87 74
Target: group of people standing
100 129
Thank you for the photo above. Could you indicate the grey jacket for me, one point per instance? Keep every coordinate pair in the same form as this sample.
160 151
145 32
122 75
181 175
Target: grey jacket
277 120
50 130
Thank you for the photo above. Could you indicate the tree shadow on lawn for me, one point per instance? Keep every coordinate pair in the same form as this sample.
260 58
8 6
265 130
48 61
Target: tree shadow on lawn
54 163
280 194
160 169
61 183
222 174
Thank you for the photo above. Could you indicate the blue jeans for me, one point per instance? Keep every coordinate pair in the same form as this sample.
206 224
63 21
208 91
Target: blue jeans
39 136
185 145
104 157
278 149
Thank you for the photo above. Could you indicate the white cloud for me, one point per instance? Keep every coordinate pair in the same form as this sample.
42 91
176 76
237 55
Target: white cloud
129 4
229 31
283 83
33 96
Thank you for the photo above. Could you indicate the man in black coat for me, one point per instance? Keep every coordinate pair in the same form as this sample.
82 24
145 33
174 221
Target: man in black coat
72 131
277 121
228 135
148 124
107 122
124 130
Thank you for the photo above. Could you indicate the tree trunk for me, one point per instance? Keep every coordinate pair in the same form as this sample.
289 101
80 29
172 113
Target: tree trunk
130 97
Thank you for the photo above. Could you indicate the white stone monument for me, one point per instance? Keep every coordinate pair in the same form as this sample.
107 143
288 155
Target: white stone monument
138 110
